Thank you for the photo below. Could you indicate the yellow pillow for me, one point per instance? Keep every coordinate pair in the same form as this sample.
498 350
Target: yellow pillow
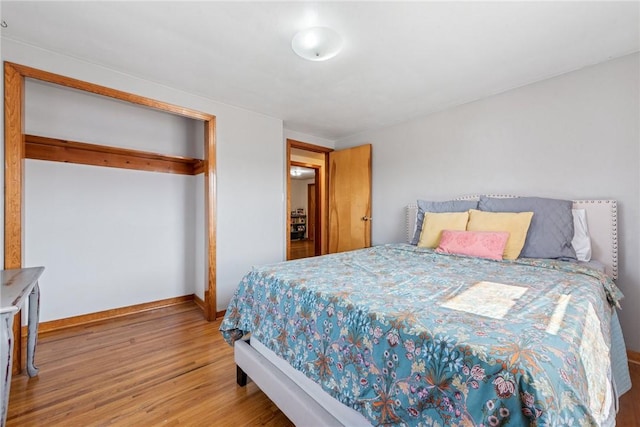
517 224
434 223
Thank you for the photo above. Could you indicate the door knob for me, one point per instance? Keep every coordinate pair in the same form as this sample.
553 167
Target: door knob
366 218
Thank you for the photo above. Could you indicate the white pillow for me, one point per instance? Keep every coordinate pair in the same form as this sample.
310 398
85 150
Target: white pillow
581 241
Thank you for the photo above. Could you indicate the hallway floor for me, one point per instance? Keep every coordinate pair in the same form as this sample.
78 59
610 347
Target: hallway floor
302 249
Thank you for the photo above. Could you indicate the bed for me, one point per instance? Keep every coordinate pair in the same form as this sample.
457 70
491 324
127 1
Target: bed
402 335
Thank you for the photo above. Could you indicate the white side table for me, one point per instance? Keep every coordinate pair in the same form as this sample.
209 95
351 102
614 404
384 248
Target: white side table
17 285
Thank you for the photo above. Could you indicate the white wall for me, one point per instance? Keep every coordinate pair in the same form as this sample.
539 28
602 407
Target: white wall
299 196
109 237
250 178
60 112
572 136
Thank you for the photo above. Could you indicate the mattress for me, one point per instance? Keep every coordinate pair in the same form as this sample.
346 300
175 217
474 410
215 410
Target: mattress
292 309
343 415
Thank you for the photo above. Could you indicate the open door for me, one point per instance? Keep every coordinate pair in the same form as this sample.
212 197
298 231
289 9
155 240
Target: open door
350 199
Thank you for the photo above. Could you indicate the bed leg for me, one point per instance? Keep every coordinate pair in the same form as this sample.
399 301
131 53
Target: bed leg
241 377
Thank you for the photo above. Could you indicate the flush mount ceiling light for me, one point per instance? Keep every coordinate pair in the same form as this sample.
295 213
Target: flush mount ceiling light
317 43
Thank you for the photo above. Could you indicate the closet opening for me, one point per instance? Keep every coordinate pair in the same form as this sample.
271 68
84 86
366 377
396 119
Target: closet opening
120 165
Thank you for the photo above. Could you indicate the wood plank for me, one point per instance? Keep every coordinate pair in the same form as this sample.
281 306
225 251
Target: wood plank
178 371
629 413
85 319
312 208
13 175
302 249
633 356
210 295
198 168
199 302
287 227
308 147
59 150
108 92
13 172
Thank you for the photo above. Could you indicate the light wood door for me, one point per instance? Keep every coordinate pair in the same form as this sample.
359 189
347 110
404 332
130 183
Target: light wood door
350 199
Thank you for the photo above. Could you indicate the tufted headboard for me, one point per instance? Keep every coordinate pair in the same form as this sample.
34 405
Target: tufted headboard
602 220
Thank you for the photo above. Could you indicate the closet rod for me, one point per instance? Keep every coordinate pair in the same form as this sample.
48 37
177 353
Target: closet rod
59 150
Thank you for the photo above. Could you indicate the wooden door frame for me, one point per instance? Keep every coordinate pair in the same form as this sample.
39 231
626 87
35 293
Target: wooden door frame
316 169
317 248
321 234
14 132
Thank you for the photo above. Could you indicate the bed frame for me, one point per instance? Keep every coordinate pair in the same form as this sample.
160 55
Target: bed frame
301 407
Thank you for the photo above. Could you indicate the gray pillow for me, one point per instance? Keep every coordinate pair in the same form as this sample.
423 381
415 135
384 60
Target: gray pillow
551 229
440 207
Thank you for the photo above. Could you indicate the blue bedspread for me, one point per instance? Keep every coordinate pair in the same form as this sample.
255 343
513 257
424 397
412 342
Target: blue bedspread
407 336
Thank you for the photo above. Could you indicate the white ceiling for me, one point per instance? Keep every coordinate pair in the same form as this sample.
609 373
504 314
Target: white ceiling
399 61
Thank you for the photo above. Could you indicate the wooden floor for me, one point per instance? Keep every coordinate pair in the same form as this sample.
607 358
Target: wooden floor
164 367
629 414
302 249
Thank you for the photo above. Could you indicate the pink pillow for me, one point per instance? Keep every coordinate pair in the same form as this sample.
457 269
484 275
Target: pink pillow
482 244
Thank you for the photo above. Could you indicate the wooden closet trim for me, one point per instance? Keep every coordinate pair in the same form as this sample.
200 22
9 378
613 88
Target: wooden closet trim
59 150
46 76
14 81
13 155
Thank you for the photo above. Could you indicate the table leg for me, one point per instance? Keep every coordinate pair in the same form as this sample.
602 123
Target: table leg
6 335
32 334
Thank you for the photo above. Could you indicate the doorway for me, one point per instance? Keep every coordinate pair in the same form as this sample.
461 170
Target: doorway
306 186
343 203
303 210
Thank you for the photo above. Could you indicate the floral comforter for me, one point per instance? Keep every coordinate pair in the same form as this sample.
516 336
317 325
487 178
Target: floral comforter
407 336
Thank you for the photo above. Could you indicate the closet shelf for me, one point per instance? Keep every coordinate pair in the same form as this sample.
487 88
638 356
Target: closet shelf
59 150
